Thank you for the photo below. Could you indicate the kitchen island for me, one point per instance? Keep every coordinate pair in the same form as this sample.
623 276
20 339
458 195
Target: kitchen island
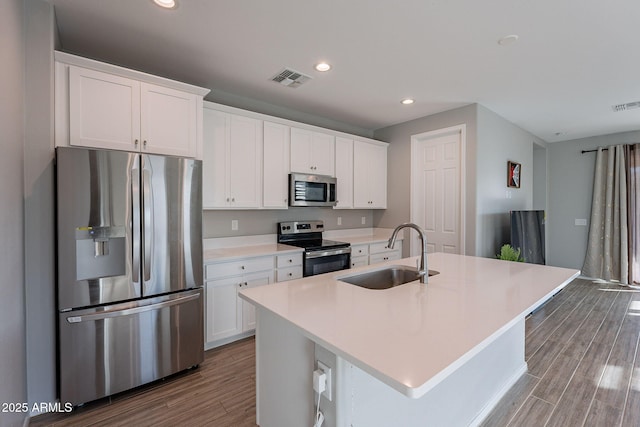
440 354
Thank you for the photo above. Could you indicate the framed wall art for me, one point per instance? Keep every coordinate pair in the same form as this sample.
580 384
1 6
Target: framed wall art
514 172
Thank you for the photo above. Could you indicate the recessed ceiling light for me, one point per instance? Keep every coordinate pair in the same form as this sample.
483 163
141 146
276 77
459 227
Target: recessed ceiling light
323 66
508 40
167 4
407 101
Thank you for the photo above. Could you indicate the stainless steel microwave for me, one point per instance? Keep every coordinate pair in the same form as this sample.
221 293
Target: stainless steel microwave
311 190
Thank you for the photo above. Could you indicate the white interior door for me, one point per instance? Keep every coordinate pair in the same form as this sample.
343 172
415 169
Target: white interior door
437 189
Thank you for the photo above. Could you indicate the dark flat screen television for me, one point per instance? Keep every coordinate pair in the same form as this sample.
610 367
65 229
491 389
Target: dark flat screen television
527 234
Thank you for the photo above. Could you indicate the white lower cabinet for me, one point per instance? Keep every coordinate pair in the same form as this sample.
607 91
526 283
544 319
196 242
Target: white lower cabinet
359 255
379 252
373 253
248 310
223 317
288 267
227 315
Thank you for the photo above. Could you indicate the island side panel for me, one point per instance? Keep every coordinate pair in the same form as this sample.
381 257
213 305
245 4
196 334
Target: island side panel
463 398
284 373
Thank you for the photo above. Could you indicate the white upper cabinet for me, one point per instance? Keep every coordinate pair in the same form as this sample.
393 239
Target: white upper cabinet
344 173
168 121
369 175
104 110
312 152
232 164
276 142
112 112
99 105
248 157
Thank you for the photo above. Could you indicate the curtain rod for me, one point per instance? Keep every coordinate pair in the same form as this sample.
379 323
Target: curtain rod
605 149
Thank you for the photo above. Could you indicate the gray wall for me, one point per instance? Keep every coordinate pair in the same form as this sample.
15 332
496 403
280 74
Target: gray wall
399 169
499 141
253 222
570 192
13 375
284 113
540 191
491 142
39 203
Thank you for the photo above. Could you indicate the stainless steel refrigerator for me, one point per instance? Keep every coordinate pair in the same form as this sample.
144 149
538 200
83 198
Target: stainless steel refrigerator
130 299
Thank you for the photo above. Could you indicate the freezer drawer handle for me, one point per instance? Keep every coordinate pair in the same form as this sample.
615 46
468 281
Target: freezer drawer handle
126 312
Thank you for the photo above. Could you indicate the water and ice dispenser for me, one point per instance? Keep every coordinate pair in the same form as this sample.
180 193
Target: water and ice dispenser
100 252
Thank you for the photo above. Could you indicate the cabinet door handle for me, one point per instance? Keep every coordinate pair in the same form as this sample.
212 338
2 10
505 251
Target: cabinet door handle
144 143
233 199
242 267
290 260
290 274
135 143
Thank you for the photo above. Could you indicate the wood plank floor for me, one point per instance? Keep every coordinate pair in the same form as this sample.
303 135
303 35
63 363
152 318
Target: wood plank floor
582 353
581 348
221 392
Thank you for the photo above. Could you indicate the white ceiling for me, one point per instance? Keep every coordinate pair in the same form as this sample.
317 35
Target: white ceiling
573 61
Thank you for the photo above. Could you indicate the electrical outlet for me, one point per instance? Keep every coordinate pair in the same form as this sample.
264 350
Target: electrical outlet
327 371
234 225
339 220
582 222
364 220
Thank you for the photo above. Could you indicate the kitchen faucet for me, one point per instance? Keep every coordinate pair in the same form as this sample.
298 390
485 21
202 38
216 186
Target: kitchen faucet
423 272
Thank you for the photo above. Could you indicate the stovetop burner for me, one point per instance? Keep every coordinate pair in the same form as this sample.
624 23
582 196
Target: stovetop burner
307 235
317 245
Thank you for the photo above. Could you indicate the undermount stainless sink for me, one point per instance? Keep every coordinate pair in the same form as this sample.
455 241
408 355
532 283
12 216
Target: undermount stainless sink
384 278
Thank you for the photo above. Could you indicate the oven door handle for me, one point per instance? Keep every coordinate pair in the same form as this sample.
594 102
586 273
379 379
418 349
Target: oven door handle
328 252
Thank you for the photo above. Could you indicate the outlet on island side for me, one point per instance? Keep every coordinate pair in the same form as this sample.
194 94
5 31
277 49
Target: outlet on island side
364 220
327 371
234 225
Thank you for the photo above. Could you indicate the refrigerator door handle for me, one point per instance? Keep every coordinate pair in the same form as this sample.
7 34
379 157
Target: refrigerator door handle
135 207
147 206
116 312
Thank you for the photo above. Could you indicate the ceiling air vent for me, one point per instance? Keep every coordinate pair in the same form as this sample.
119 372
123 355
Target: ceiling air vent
627 106
290 78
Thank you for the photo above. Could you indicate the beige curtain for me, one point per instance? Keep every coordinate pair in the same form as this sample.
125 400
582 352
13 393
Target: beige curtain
632 155
607 251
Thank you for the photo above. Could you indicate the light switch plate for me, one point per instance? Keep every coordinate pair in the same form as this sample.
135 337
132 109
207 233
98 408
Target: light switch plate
582 222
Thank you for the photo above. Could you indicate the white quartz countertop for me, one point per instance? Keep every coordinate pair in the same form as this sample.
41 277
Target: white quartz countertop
380 235
413 336
232 253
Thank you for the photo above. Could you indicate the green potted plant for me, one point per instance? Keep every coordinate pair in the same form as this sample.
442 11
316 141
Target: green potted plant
508 253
